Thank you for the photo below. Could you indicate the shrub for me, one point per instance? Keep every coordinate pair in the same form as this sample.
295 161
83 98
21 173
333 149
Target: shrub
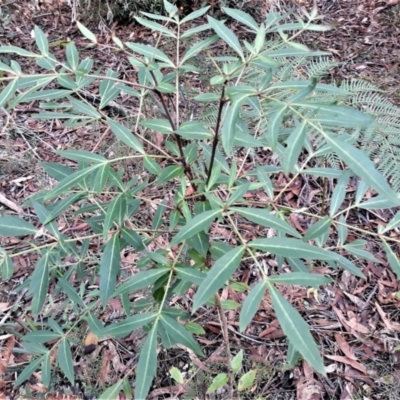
295 121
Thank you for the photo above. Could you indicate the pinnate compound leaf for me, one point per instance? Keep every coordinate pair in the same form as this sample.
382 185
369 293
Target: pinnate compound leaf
64 358
293 248
128 325
109 268
14 226
300 278
219 381
112 393
216 277
251 304
180 334
140 281
147 366
360 164
197 224
265 218
297 330
125 136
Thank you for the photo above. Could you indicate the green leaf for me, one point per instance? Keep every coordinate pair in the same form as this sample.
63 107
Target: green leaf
380 202
194 130
132 238
46 370
86 32
297 330
176 375
156 27
251 304
109 89
264 178
115 214
6 265
226 35
140 281
219 381
151 165
8 91
41 41
392 258
229 305
219 159
200 222
216 277
125 136
84 108
147 366
70 181
360 253
237 361
301 279
64 358
393 223
292 355
238 193
41 336
158 125
247 380
70 292
72 56
150 52
157 219
195 14
195 328
100 177
95 325
360 164
128 325
264 217
18 50
349 266
274 125
342 230
109 268
169 173
292 248
198 47
27 372
242 17
190 274
318 229
200 242
180 334
112 393
295 143
82 156
339 193
61 206
40 283
14 226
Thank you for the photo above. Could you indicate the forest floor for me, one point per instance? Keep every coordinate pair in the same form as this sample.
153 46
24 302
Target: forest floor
354 321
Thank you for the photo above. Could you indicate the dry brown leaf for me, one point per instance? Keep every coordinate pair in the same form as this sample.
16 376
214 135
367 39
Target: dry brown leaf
344 346
348 361
393 326
354 324
6 353
10 204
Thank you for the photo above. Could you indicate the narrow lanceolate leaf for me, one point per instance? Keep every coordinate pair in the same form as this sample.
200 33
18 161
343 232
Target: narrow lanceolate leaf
295 143
28 371
40 283
72 56
70 292
265 218
318 229
112 393
198 47
125 136
194 130
242 17
221 271
195 14
71 181
61 206
190 274
109 268
394 261
251 304
14 226
158 125
155 26
46 370
7 92
226 35
6 265
85 32
64 358
147 366
140 281
297 330
349 266
393 223
360 164
301 279
18 50
169 173
360 253
180 334
115 214
149 52
339 193
292 355
274 125
82 156
128 325
292 248
41 41
197 224
41 336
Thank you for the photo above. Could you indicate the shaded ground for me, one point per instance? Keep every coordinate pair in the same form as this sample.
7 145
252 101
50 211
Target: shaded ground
354 321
